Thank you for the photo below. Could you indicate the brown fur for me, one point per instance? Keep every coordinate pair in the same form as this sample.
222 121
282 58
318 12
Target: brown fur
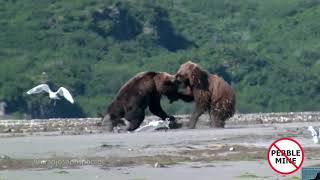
211 93
143 90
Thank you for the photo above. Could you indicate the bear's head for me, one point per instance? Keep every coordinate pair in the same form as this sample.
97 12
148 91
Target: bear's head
190 74
167 85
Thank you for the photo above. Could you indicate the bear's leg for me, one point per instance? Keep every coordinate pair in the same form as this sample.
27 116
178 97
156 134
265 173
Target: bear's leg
109 122
106 123
195 116
156 109
135 119
217 119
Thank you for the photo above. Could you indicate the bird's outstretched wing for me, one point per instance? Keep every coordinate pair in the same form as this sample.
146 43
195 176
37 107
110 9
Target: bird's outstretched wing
154 125
147 127
313 132
66 94
39 89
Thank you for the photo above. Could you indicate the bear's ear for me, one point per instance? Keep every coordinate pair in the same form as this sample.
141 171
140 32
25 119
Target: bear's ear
199 78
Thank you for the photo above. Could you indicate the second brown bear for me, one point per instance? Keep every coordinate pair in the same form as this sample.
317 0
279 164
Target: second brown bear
211 93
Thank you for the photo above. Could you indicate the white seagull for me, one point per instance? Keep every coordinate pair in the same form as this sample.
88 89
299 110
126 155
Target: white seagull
52 95
314 134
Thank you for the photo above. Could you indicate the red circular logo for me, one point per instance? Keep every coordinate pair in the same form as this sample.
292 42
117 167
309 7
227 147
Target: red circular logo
285 156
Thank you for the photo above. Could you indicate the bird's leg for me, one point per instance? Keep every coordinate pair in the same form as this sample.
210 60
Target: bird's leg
54 102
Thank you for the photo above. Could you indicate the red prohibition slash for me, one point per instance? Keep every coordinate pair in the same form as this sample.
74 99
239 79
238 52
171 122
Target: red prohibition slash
283 154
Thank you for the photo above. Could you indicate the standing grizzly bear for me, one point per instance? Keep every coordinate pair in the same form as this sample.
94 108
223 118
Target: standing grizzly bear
142 91
211 93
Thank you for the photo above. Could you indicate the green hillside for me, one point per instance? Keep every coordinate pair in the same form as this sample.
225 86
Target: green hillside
268 50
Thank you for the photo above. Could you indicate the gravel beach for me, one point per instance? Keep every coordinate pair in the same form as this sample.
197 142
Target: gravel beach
79 149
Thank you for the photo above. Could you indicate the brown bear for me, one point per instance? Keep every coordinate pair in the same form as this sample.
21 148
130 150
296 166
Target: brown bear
211 93
141 91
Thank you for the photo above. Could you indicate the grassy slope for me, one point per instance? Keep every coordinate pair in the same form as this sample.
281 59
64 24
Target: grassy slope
268 50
